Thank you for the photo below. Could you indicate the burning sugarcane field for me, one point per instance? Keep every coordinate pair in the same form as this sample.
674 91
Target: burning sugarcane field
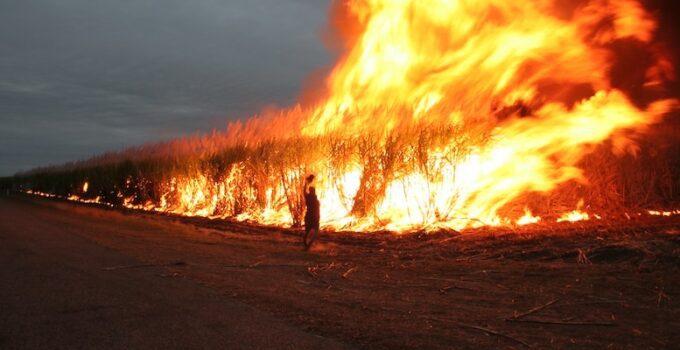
451 174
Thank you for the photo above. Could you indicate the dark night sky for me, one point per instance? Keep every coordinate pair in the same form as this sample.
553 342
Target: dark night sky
80 77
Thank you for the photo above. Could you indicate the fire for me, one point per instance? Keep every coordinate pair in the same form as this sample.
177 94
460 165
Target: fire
573 216
664 212
453 61
528 218
463 63
440 113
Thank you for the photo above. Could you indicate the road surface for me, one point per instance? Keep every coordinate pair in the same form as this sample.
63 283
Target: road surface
82 276
59 289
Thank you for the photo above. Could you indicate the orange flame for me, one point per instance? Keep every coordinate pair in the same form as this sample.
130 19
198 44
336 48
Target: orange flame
460 63
534 80
527 218
523 87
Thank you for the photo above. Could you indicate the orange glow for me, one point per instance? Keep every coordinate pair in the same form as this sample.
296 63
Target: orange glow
454 110
663 213
413 64
573 216
527 218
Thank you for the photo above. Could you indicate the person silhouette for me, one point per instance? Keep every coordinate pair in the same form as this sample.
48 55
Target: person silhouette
312 212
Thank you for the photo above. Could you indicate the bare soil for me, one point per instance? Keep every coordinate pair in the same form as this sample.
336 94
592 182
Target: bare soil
586 286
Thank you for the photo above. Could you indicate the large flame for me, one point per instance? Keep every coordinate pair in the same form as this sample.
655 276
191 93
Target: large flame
510 94
468 63
452 61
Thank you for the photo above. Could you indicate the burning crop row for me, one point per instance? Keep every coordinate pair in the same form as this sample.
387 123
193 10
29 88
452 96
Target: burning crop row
439 114
262 184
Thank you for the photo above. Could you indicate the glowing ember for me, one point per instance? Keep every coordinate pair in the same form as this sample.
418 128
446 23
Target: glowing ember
663 213
527 218
573 216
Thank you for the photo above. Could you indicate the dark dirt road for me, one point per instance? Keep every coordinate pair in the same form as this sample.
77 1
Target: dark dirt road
83 276
59 289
